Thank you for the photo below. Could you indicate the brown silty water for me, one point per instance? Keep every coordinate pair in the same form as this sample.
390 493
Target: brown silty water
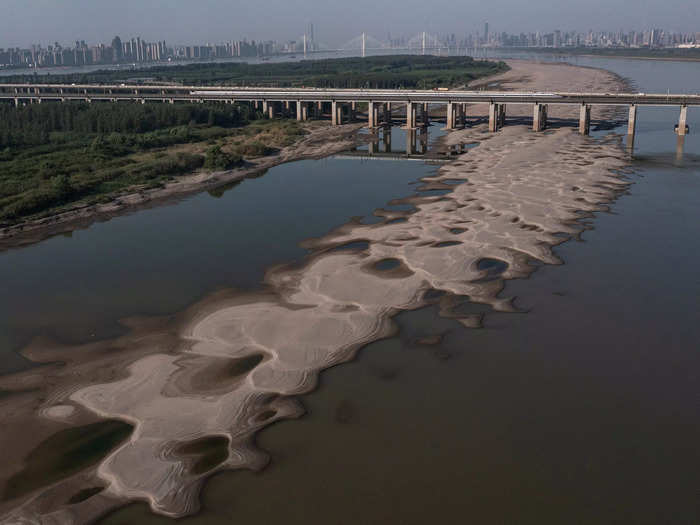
197 387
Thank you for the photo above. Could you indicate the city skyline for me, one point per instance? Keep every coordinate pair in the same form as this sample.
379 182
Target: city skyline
139 50
26 22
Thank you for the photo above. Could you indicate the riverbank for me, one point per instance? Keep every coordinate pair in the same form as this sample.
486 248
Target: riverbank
320 141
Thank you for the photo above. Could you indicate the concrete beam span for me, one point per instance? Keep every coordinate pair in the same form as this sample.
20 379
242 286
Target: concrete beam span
196 93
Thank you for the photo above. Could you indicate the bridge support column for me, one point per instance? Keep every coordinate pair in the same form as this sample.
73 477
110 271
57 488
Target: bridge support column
584 121
501 115
372 116
631 127
496 117
425 114
353 111
410 142
270 110
493 123
387 140
410 115
386 113
337 110
300 114
265 109
450 116
683 121
287 108
539 117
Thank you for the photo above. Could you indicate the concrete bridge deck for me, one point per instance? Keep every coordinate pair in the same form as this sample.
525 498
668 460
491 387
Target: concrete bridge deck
309 102
197 93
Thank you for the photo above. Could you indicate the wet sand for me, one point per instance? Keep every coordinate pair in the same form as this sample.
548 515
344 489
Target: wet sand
198 386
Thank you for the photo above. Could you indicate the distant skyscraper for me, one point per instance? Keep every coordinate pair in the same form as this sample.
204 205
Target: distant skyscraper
117 54
486 32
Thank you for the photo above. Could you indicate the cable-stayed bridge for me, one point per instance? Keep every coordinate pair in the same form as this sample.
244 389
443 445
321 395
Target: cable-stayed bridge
421 42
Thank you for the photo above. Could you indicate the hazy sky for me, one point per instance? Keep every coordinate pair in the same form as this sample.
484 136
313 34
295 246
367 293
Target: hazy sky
191 21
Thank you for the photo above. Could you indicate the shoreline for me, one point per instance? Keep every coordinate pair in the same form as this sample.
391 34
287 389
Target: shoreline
321 141
512 199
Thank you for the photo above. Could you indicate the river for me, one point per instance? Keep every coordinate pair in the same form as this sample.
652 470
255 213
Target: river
582 410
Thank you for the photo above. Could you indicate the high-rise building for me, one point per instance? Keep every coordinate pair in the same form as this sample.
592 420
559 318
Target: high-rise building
117 49
486 33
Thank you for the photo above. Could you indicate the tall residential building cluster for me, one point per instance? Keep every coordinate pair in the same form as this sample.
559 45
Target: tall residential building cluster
137 50
652 38
134 50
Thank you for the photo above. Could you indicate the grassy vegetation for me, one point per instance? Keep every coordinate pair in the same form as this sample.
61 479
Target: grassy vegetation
396 71
39 176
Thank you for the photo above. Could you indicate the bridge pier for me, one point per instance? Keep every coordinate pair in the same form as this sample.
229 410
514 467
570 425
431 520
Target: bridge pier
494 117
372 116
387 140
539 117
271 110
450 116
300 111
683 121
584 121
410 142
460 116
425 114
497 116
386 113
631 127
353 111
411 111
336 117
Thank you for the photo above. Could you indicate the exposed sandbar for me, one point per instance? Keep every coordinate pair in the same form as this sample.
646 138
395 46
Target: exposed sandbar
198 387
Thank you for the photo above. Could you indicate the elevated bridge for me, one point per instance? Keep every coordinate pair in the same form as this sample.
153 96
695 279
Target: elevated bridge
343 103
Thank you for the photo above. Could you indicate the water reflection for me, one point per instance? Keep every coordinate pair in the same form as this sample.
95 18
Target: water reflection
680 146
394 142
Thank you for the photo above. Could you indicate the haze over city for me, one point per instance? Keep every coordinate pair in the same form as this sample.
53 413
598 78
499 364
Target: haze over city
44 21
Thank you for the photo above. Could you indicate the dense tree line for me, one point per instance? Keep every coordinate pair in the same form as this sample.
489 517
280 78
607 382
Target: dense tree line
394 71
36 123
